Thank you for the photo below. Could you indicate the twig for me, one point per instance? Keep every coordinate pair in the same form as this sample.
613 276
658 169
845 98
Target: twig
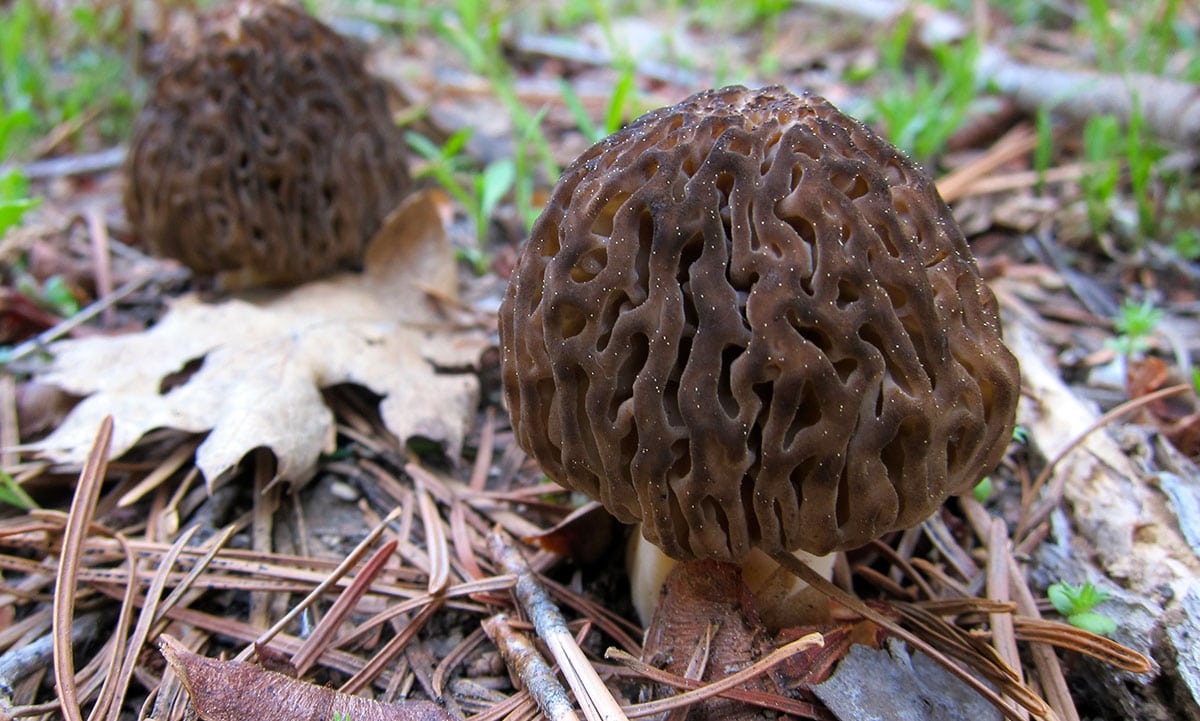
1170 108
528 665
101 259
18 663
83 316
960 183
83 506
1003 638
69 165
590 692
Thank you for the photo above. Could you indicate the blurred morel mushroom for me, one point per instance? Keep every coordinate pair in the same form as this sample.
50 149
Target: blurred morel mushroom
752 325
265 147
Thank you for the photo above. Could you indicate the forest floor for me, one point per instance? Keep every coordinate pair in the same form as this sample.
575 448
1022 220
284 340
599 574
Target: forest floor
1063 135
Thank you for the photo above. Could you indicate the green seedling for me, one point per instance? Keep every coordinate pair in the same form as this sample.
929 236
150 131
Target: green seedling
922 109
1076 604
1186 244
620 101
63 68
1135 324
479 193
12 494
1101 140
1145 37
14 200
984 490
1044 150
1021 435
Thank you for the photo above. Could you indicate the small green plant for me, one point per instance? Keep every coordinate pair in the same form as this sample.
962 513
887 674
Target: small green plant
984 490
922 109
1021 435
620 101
14 200
12 493
1076 604
1101 142
62 67
1135 324
479 193
339 716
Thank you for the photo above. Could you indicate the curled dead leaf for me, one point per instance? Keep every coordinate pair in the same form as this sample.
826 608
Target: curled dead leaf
237 690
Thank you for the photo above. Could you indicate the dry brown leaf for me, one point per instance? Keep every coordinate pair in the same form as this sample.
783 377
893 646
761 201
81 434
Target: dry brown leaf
263 360
228 690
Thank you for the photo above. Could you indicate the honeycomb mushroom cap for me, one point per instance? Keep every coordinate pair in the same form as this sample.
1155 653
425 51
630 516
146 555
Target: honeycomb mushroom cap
264 146
747 321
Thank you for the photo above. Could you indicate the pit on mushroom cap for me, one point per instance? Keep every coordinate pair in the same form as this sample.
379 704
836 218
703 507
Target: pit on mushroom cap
746 321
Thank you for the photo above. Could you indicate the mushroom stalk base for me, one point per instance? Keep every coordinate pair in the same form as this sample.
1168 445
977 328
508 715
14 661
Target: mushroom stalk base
782 599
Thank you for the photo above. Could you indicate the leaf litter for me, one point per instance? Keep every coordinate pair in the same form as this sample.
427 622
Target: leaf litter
255 365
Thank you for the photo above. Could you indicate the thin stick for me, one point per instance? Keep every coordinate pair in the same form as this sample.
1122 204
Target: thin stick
593 696
83 506
83 316
528 665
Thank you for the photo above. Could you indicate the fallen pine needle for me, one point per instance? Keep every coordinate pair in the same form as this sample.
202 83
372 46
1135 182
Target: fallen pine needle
83 506
723 687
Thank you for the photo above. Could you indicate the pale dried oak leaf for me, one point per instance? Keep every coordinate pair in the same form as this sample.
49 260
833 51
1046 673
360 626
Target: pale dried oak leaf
263 360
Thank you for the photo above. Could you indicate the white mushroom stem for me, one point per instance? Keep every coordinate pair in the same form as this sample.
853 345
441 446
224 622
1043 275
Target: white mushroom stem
783 600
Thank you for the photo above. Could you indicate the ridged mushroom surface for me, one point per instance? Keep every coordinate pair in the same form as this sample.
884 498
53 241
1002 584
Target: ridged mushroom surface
264 146
747 321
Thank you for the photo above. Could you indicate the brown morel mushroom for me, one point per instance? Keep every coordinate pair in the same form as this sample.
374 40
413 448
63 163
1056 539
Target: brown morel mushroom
265 147
750 324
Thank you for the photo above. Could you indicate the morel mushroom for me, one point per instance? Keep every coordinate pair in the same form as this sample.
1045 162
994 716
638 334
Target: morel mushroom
747 322
265 147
